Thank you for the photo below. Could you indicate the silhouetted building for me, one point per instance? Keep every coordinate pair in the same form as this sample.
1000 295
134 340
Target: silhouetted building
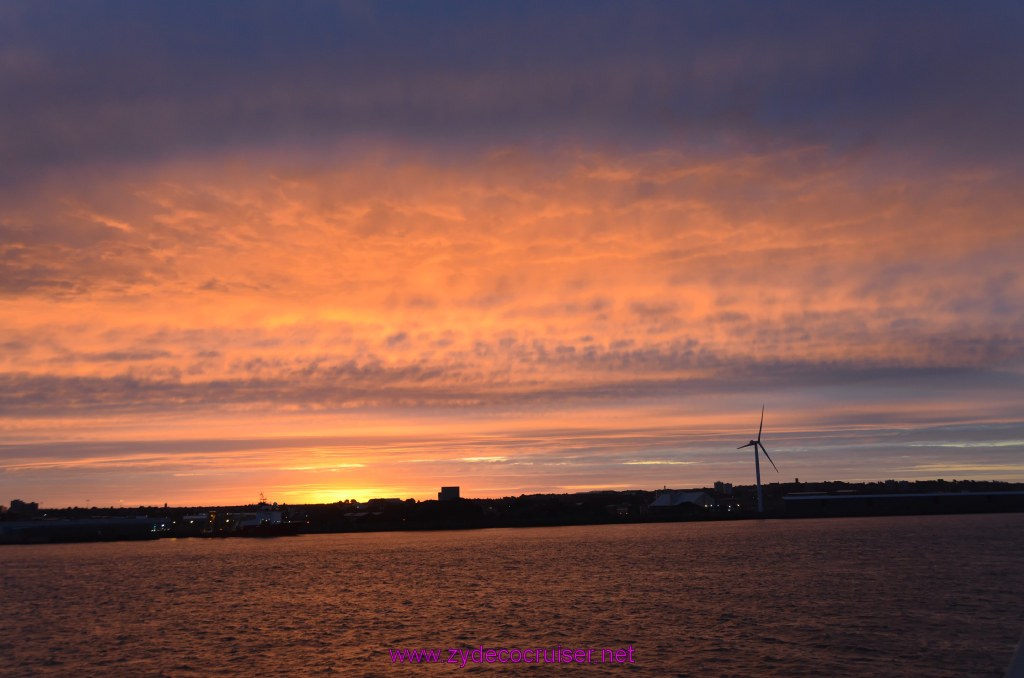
723 489
676 499
23 508
448 494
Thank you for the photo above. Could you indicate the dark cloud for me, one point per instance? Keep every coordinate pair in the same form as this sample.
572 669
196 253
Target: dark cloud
397 339
114 356
94 80
479 379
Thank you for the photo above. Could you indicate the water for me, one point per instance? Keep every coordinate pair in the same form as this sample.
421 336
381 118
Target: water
903 596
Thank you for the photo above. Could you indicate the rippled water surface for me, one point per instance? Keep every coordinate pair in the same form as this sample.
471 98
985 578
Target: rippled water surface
906 596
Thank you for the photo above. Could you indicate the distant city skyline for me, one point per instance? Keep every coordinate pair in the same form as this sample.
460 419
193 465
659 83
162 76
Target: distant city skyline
334 251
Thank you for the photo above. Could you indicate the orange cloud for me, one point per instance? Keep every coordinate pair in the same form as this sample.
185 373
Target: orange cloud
490 293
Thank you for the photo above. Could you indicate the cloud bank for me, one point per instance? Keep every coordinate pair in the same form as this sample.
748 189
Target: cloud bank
458 222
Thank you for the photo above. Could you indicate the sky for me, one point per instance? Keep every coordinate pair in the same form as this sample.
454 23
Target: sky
333 250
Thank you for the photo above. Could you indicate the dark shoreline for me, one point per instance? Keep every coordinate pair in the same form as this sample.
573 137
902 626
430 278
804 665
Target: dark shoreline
782 501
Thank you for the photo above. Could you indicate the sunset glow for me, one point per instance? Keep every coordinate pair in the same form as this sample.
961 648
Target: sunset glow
251 264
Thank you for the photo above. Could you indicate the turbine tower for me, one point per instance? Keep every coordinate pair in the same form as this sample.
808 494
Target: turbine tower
757 461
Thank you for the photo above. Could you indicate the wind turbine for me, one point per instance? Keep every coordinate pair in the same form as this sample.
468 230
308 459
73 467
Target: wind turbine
757 461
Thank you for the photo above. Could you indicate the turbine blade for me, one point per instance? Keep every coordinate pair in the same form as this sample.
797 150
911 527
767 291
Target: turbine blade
742 446
762 422
769 458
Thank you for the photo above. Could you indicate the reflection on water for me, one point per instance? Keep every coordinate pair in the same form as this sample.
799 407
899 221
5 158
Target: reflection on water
926 596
